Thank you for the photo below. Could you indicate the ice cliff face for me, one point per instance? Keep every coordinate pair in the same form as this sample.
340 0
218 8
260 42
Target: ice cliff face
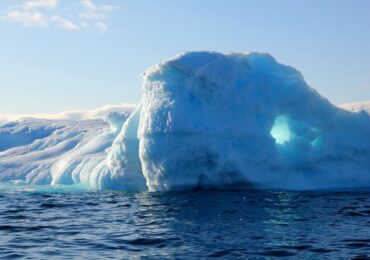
206 120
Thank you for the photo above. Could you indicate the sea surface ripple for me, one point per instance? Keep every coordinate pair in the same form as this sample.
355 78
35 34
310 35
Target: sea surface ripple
44 223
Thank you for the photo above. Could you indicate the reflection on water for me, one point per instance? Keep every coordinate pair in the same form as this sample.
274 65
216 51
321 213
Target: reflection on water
75 222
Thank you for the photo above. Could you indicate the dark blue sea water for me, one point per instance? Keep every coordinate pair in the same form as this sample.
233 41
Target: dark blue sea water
48 223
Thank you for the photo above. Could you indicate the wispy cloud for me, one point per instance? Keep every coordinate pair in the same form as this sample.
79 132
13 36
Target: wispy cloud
88 4
96 14
65 23
30 13
32 4
47 13
27 19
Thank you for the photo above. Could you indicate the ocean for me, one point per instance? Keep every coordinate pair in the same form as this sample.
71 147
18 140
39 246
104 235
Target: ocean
44 222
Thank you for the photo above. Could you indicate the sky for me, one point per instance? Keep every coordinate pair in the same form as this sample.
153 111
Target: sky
58 55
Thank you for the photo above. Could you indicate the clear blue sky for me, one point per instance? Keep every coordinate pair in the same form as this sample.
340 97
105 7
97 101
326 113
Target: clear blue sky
57 55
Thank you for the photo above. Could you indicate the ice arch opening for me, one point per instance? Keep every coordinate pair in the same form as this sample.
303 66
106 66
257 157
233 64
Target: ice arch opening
280 130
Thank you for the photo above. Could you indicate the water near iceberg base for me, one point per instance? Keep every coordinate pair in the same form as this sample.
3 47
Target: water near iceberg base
205 121
262 224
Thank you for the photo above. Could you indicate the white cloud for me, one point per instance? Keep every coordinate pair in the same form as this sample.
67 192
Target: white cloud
88 4
27 19
68 25
96 13
45 13
32 4
65 23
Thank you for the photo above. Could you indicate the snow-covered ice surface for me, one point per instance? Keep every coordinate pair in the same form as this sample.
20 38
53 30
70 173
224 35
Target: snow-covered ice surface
206 120
55 151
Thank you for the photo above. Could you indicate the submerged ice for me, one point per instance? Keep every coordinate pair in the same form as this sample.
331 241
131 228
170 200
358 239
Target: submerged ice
206 120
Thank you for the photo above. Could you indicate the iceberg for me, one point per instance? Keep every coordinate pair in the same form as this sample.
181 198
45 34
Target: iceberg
206 120
211 120
60 151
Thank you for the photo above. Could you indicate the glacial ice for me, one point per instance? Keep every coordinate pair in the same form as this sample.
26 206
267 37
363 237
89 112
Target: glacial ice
209 121
206 120
55 151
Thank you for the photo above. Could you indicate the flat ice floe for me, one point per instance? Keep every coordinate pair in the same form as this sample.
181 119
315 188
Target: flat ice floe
206 120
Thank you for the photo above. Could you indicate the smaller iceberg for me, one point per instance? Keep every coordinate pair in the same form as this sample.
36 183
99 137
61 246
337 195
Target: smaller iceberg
60 151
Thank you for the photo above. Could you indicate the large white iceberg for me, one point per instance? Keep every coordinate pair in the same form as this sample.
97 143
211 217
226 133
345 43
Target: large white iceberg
210 121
